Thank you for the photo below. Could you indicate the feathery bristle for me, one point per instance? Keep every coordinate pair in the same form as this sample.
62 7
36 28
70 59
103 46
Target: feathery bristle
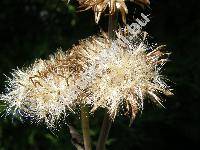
95 73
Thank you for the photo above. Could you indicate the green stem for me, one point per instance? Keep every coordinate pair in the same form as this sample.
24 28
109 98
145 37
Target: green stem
85 128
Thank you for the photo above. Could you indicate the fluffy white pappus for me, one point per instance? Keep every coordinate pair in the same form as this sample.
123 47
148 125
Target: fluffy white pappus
95 72
124 73
45 91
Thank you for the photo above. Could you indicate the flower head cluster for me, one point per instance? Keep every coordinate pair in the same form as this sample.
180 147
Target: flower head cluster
95 72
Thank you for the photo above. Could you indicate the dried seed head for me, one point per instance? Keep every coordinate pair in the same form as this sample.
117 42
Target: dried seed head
123 73
45 91
96 73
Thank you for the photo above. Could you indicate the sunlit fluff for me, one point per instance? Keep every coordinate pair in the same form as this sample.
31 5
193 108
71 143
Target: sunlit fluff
124 73
45 91
95 72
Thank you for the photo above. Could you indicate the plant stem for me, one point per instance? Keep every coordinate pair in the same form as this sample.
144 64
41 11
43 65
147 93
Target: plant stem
107 122
85 128
111 26
104 132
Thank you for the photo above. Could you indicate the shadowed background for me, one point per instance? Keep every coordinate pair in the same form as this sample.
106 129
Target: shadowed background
31 29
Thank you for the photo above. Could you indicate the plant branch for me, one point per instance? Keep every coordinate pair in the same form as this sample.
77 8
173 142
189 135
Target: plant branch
107 122
85 128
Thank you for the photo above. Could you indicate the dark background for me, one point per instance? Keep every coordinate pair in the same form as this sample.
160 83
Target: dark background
31 29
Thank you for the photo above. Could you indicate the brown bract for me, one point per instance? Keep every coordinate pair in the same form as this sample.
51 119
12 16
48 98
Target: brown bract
99 6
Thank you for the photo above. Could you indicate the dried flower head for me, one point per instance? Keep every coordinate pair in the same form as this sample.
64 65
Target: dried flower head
96 73
46 90
123 73
99 6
